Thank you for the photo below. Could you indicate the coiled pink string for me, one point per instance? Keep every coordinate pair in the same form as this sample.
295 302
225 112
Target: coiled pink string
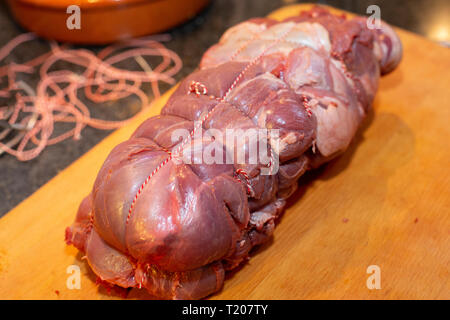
55 99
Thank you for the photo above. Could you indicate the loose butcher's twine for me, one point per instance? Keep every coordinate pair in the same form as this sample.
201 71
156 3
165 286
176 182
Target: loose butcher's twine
32 119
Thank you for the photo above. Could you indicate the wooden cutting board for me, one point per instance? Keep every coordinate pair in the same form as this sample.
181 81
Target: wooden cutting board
385 202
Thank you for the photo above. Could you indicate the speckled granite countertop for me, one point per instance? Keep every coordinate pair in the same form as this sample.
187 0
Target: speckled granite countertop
19 179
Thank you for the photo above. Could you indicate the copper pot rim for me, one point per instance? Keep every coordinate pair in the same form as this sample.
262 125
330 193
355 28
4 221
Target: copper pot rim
52 5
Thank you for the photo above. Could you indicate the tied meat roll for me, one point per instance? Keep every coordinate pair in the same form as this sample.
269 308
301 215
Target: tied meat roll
157 221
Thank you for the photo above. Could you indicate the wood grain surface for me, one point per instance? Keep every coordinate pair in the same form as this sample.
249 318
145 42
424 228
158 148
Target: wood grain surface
385 202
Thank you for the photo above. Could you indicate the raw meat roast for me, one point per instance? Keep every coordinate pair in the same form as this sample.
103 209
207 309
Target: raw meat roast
155 221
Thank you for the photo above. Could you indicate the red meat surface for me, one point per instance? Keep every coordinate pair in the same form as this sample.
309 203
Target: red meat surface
154 221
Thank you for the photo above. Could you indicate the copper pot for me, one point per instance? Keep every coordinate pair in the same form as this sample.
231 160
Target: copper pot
103 21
